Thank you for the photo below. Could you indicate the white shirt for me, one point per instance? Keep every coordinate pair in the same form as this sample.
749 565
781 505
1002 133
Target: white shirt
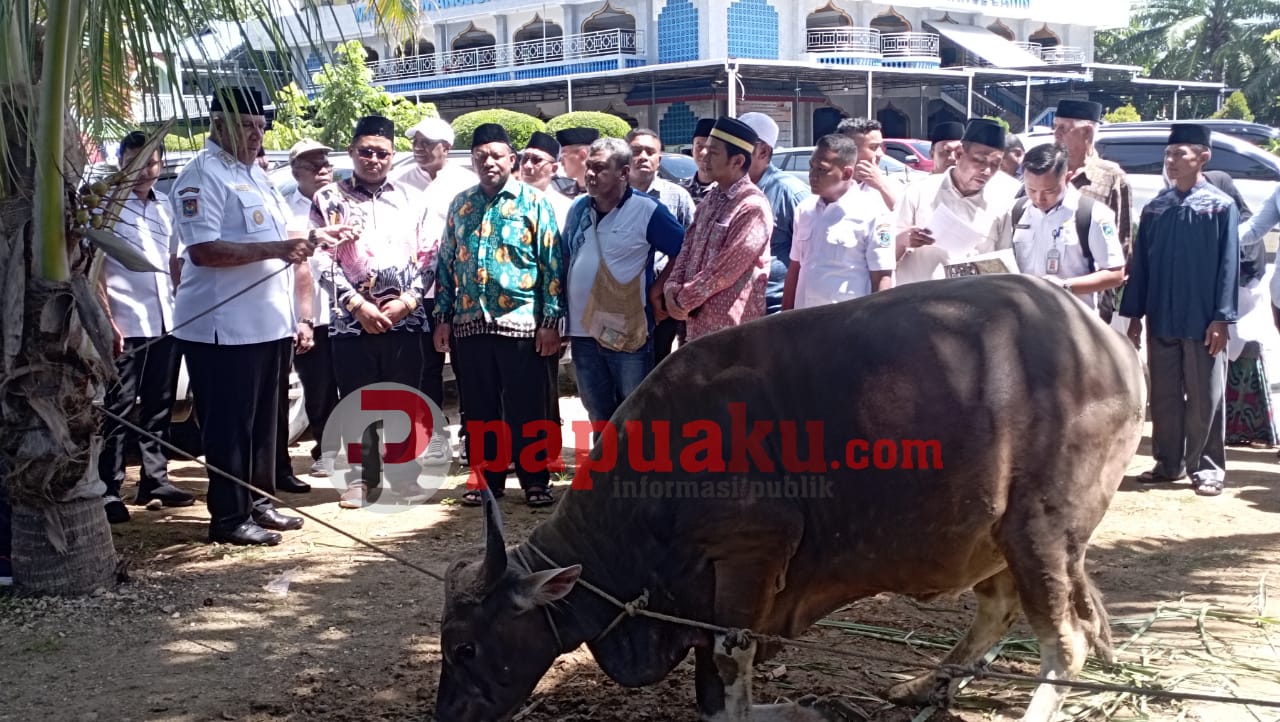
219 198
839 244
1040 232
560 204
986 211
433 196
300 222
623 235
142 303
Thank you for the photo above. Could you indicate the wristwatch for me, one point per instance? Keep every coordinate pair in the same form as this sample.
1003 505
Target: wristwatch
309 321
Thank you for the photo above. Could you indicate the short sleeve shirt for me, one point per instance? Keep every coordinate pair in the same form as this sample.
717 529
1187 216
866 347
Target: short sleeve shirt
217 197
1039 234
839 244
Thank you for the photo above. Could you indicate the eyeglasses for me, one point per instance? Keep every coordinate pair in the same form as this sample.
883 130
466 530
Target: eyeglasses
314 167
371 152
528 158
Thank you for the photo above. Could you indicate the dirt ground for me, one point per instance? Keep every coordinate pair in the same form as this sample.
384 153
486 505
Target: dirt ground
197 634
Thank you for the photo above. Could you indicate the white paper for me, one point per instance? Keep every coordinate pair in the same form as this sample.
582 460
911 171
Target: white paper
953 234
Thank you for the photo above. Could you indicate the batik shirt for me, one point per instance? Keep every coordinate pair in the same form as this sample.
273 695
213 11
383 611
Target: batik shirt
499 270
1185 264
720 274
1105 182
389 259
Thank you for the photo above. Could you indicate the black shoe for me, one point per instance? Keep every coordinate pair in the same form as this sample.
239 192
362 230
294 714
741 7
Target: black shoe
117 513
247 534
272 519
168 494
292 484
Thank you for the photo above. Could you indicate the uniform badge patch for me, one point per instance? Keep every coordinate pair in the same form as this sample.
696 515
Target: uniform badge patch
883 237
1108 230
190 207
188 189
258 217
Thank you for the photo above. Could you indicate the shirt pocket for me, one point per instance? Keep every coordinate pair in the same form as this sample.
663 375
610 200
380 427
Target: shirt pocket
256 218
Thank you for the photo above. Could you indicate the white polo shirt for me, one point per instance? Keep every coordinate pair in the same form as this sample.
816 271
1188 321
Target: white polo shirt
142 303
1039 232
986 211
217 197
839 244
299 207
433 196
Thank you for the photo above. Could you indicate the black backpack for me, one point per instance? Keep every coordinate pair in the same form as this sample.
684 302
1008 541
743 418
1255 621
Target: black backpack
1084 218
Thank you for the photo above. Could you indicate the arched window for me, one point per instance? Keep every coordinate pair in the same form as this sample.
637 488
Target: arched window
828 16
539 41
609 18
890 22
473 49
1045 38
1002 30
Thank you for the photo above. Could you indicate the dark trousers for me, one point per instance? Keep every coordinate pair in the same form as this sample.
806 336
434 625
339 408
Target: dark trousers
432 382
284 462
371 358
319 386
505 381
238 404
147 380
1188 408
665 333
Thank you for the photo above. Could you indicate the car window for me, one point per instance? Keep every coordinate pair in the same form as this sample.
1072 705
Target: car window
922 149
1134 156
897 152
1240 166
679 166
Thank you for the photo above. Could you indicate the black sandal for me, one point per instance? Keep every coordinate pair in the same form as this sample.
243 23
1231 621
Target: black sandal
538 496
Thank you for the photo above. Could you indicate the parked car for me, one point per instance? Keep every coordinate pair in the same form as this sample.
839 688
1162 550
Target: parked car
911 152
676 167
1256 133
796 162
1141 154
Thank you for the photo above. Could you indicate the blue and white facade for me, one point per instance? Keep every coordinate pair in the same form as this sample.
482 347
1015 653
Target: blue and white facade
655 62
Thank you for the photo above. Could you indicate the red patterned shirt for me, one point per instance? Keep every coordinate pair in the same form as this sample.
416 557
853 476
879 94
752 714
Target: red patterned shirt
719 276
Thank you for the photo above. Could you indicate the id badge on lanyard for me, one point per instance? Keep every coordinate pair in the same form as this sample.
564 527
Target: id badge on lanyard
1052 260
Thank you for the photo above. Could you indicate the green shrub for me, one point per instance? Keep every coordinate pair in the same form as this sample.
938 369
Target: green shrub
1003 123
178 143
1124 114
519 126
1236 108
610 126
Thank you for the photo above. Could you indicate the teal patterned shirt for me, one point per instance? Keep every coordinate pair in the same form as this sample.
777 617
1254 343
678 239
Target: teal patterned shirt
499 269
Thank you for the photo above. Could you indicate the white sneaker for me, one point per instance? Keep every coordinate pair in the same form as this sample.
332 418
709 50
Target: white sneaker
324 465
439 451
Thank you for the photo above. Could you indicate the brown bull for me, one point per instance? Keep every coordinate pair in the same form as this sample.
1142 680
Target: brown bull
1036 407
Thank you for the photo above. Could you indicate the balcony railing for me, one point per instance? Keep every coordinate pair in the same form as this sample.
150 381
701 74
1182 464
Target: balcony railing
910 49
1032 48
529 52
1062 55
844 40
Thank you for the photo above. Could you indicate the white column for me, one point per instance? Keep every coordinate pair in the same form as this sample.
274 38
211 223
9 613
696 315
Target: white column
733 91
1026 108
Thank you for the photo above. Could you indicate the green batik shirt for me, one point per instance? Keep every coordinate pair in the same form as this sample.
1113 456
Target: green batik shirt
499 269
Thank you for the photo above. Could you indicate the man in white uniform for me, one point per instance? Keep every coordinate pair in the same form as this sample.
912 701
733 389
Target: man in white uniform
235 316
1049 223
140 307
842 247
972 212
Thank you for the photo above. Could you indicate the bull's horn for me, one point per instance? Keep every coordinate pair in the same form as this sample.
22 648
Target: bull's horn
495 548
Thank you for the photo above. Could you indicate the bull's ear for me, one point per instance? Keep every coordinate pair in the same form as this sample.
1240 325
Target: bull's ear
546 586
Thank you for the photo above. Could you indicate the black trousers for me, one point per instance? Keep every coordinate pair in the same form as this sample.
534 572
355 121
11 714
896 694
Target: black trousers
505 381
665 333
432 382
147 381
238 404
284 462
319 386
370 358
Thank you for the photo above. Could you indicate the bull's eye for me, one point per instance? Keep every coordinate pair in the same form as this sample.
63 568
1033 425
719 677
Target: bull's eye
464 652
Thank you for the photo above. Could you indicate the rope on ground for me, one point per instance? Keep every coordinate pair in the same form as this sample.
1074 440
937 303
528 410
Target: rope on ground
253 489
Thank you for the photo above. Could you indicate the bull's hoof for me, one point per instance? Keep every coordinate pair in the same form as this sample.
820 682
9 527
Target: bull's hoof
832 709
922 691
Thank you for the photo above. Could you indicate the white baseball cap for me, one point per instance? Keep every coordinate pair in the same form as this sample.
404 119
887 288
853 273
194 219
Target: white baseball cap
431 129
306 146
763 125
